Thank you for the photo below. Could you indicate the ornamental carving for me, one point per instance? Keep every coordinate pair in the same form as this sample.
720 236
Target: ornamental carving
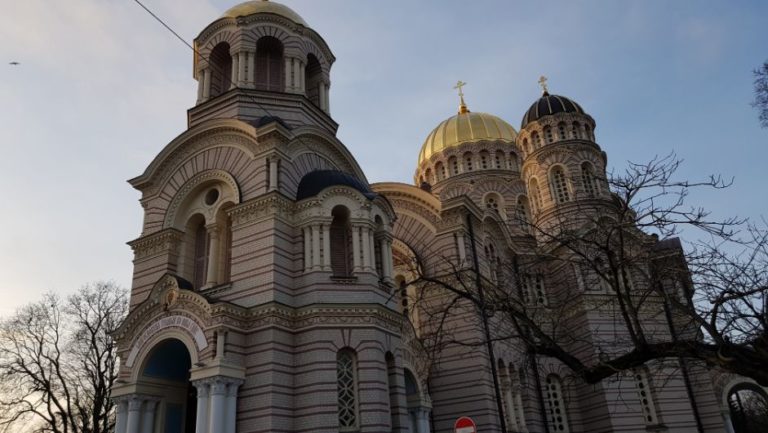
162 242
273 205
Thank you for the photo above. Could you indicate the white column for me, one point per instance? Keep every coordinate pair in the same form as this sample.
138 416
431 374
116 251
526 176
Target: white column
355 249
213 255
273 174
221 340
727 423
302 78
372 243
422 420
251 74
296 78
288 75
387 253
218 402
321 95
366 248
230 418
206 83
241 67
134 415
327 247
327 88
520 411
201 423
121 416
316 247
235 71
148 418
307 249
462 248
200 86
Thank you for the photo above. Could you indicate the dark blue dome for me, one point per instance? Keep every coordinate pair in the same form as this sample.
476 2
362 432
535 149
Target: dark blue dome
548 105
314 182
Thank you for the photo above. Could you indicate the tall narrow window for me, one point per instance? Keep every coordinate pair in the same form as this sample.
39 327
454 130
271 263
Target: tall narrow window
548 134
526 147
221 69
517 399
536 140
313 79
341 250
346 382
467 162
522 211
587 132
440 171
513 161
534 290
454 164
556 414
588 179
200 256
535 192
576 130
644 393
561 131
269 64
559 185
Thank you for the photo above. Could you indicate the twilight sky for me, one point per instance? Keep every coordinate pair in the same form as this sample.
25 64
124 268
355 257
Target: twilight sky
102 88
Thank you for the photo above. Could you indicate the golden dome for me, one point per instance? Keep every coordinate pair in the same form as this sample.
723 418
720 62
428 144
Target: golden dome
463 128
264 6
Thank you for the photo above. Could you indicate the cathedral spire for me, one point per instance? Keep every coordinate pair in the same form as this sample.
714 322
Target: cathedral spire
462 105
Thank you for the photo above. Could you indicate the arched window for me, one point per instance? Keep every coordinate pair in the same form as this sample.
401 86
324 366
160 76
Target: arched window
549 136
534 292
221 69
341 250
453 163
499 160
561 132
588 179
346 383
200 251
535 193
467 161
587 132
559 185
556 415
269 64
484 160
518 410
440 171
313 76
536 140
645 394
522 211
513 161
576 130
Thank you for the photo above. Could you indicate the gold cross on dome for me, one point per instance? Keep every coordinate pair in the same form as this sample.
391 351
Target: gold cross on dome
543 84
459 85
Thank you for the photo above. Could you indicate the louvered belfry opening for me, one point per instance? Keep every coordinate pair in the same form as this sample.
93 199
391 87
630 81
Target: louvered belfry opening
313 78
221 69
269 64
341 248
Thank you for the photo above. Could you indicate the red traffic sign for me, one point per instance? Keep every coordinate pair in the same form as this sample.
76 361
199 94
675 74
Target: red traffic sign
465 425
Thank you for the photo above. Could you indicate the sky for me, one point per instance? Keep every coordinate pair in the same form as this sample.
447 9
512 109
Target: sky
101 88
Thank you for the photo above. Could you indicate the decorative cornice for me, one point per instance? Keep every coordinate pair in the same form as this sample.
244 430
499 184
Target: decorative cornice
157 243
271 205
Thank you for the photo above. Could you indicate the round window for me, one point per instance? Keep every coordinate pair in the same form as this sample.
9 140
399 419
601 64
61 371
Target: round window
211 196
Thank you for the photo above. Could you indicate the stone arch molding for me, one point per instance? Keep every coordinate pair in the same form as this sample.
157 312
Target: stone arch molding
741 382
176 326
208 176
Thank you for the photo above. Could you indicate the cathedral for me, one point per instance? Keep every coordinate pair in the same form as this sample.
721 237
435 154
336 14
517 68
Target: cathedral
271 286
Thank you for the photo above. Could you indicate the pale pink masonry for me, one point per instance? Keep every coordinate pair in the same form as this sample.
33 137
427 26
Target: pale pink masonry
269 288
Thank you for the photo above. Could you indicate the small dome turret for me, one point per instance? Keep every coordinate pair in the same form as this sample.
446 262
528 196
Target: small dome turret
264 6
548 105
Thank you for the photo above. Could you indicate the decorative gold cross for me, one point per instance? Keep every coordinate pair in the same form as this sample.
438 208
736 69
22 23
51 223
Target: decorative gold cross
543 83
459 86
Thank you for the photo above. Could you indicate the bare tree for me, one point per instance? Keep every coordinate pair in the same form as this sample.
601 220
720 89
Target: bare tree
58 362
618 258
761 93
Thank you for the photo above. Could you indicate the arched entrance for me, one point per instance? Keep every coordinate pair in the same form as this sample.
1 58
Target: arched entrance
748 405
418 412
165 373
